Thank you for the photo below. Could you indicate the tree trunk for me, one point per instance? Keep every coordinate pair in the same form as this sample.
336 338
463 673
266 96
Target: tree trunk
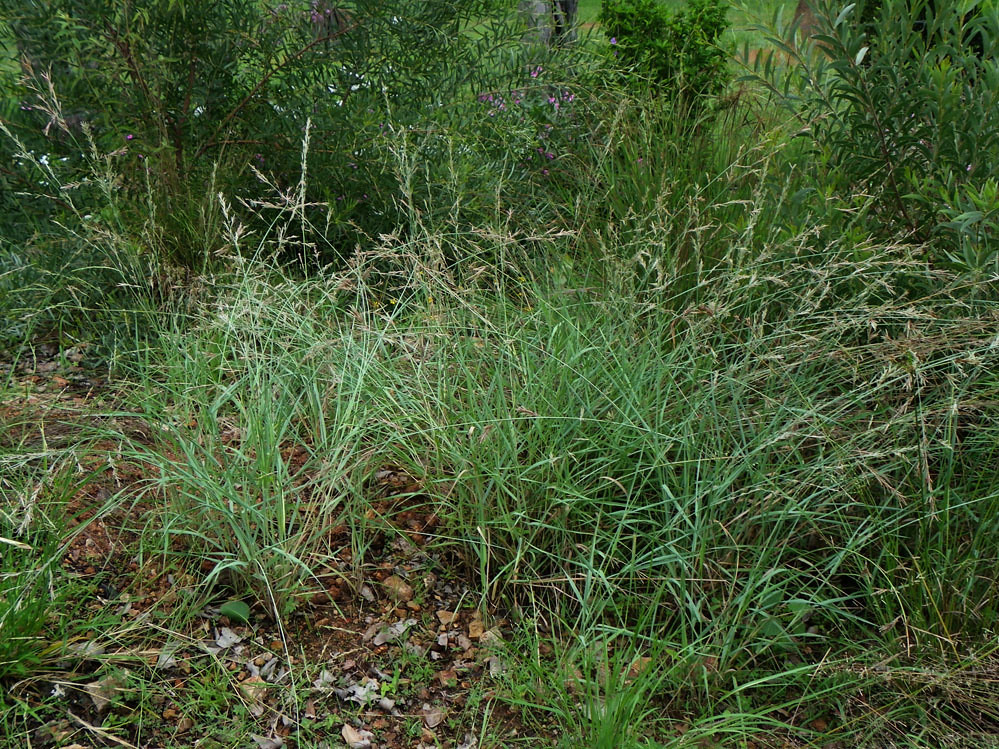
549 22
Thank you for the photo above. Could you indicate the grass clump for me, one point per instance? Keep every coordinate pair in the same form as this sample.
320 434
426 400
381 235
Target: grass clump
653 440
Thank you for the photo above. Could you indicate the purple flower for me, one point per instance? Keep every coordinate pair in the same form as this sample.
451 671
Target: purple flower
613 40
129 136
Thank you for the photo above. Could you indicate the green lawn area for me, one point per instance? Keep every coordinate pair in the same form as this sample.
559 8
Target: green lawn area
588 11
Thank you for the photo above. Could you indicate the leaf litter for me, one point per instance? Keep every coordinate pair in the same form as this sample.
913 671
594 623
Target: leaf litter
401 649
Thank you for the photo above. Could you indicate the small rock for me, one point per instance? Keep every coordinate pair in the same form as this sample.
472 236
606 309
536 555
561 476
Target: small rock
447 617
397 588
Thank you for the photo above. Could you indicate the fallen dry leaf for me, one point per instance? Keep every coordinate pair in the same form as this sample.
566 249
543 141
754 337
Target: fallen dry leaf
185 724
393 632
254 690
356 739
103 691
637 668
447 617
433 716
476 627
227 638
268 743
492 638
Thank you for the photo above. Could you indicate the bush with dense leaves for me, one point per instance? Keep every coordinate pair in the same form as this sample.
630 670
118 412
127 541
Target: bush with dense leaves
189 98
901 116
679 51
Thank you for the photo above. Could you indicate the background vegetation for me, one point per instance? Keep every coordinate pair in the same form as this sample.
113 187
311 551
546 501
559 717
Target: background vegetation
697 374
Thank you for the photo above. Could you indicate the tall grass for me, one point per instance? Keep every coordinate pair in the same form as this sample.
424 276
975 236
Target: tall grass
767 493
729 471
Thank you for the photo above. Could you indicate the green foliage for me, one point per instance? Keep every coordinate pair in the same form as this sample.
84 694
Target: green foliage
679 51
905 118
191 98
715 453
38 601
237 611
25 604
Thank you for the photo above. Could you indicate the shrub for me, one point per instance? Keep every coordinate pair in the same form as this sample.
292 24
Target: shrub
192 97
905 119
678 51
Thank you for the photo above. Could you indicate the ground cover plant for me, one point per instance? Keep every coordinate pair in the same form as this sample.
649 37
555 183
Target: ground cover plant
589 417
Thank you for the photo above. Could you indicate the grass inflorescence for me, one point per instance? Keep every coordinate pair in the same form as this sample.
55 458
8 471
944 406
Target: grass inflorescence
660 443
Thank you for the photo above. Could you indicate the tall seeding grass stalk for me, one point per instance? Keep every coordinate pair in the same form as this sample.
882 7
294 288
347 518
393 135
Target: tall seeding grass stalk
778 501
728 470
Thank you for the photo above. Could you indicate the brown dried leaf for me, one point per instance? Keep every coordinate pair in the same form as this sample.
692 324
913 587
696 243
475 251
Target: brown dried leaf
433 716
356 739
254 691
